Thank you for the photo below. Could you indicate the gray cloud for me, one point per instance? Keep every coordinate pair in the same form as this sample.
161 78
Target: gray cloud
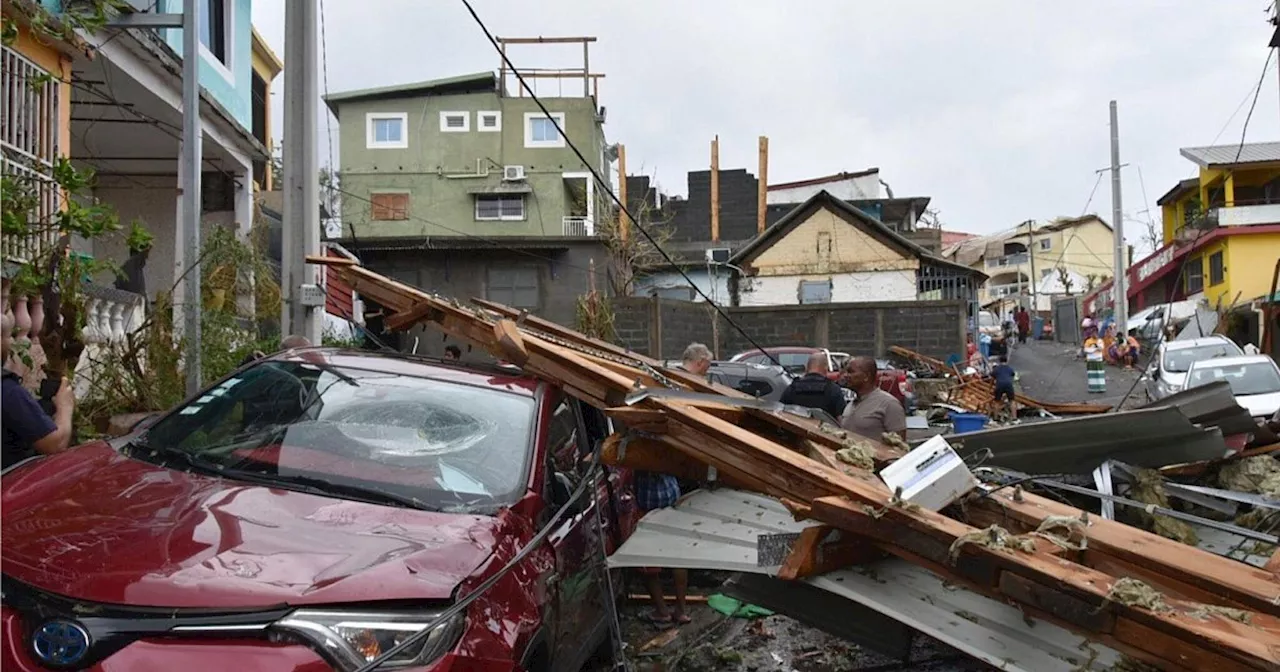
995 108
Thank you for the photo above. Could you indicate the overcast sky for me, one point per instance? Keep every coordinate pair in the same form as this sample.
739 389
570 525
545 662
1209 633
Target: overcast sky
997 109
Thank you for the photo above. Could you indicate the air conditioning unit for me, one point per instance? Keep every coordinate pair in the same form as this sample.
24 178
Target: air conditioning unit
719 255
512 173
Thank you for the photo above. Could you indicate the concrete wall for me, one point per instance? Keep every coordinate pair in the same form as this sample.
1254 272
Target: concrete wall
438 170
229 84
152 201
662 328
845 288
463 274
714 284
849 189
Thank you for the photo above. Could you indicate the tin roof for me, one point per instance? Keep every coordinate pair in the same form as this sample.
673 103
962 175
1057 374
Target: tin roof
1231 155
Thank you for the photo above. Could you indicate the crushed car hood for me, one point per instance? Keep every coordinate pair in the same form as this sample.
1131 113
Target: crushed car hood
95 525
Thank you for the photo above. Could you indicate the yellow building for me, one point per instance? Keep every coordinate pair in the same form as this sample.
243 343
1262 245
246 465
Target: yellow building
1225 223
266 66
37 131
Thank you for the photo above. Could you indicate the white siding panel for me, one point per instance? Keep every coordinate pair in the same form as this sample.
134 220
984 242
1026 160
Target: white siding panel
783 290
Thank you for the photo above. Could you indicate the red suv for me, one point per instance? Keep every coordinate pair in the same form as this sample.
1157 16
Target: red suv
794 358
310 512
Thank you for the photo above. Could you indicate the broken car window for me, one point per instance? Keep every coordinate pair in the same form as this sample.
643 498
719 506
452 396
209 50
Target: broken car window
443 444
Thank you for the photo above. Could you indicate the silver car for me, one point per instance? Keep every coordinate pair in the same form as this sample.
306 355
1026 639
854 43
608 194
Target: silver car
1168 371
1254 380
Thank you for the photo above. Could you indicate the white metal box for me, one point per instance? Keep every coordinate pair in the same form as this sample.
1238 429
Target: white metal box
931 476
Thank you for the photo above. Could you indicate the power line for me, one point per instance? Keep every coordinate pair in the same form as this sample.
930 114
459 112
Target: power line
604 184
1266 65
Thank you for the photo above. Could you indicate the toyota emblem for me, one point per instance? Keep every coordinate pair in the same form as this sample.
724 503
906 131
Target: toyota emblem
60 643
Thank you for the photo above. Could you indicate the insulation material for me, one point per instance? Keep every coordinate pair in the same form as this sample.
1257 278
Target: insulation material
1148 488
1260 475
1134 593
991 537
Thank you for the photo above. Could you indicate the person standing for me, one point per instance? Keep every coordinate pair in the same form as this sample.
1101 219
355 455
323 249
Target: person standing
815 390
1004 377
874 412
696 359
27 430
1095 368
1023 320
653 491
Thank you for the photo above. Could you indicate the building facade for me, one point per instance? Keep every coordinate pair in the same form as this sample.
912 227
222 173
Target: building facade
457 157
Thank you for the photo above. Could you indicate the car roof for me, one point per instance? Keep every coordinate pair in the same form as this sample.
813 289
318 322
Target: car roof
783 348
401 364
1233 361
1215 339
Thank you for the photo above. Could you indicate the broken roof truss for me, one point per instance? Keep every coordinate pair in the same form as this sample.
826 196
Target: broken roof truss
1075 586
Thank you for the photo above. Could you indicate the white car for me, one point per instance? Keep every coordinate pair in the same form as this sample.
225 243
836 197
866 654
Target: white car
1172 360
1254 380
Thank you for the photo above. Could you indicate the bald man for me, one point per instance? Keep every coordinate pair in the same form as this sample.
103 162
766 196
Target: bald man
875 411
814 389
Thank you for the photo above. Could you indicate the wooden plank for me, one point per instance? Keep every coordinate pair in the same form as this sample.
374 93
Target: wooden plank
821 549
510 342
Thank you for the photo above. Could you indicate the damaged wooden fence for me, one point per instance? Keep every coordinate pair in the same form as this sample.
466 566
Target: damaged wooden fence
1158 601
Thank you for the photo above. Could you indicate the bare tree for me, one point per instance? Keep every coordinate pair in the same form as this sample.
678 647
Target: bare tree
1064 277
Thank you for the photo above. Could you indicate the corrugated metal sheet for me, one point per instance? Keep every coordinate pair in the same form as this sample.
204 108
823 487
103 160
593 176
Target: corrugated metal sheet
1153 437
720 529
1253 152
1211 405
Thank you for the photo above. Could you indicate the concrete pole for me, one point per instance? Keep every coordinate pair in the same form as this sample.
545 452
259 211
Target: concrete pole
1031 258
301 235
189 186
1119 285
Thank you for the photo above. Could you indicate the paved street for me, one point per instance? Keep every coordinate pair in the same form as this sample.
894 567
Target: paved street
1050 371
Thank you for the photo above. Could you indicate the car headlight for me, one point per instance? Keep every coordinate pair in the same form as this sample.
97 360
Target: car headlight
350 639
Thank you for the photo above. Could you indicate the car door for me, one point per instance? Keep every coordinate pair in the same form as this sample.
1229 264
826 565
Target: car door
575 542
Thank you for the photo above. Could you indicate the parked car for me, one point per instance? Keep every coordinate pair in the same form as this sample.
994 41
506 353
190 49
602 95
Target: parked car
795 358
1168 371
762 381
308 513
1254 380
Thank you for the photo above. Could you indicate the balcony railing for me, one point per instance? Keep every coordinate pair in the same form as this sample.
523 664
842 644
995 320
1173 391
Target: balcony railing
579 226
1249 214
997 291
31 140
1008 260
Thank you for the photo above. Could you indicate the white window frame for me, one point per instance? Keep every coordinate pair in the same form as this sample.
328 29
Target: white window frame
530 143
524 208
444 121
371 143
227 70
497 116
1046 244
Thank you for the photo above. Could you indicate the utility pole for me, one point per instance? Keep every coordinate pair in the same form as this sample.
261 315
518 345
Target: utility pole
623 225
1031 256
303 295
715 189
1119 282
762 194
189 186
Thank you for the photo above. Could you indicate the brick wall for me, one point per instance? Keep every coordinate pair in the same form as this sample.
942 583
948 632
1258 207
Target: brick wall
935 328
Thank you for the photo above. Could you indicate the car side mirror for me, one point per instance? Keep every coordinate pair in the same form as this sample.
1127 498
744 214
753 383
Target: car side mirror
561 490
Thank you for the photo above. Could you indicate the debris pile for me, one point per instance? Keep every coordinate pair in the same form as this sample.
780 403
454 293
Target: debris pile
983 545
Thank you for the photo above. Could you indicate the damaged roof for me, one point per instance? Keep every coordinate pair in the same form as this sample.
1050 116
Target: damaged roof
474 82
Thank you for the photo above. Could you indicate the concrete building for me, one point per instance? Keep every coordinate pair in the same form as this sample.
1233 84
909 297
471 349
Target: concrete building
1221 236
1068 255
826 250
466 189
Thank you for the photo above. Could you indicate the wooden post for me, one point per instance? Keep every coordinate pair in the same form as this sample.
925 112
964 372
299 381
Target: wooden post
715 189
623 224
762 205
586 70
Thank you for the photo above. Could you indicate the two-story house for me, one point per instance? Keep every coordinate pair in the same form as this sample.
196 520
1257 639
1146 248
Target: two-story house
1047 260
1221 236
459 187
110 100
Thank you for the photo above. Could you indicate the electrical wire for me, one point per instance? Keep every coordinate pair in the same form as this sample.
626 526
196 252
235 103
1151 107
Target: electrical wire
604 184
1257 90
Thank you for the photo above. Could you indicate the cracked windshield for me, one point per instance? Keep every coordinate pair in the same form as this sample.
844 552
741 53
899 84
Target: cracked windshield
424 443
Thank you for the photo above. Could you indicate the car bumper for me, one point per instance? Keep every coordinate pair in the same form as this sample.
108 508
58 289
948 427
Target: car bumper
205 653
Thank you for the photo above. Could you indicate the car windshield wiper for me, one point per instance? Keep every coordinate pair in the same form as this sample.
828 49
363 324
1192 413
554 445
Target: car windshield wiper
192 462
320 486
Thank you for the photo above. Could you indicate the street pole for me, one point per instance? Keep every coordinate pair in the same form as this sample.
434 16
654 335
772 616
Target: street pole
1031 256
190 191
300 155
1119 283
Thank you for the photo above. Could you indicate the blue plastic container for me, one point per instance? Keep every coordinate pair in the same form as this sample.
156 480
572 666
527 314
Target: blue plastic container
967 422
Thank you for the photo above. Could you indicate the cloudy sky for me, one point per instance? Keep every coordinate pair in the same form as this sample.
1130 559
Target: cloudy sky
997 109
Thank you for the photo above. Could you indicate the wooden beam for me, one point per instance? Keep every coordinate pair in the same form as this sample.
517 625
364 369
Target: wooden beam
762 177
715 189
564 74
815 553
624 224
510 342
